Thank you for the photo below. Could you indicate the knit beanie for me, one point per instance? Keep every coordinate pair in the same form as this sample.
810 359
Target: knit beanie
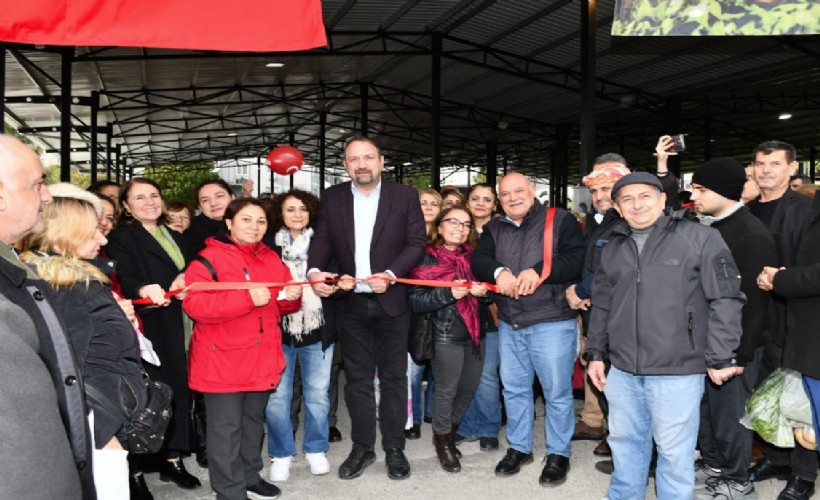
725 176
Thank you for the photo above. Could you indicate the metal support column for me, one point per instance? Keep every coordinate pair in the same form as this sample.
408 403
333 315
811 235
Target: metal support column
258 176
65 115
560 167
364 96
117 154
492 162
812 163
95 107
672 122
127 170
292 142
322 146
435 112
707 132
587 153
109 133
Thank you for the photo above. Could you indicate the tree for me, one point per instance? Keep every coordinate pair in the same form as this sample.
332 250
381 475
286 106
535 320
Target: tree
79 179
419 179
178 182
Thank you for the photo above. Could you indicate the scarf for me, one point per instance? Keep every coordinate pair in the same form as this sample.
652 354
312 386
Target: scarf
294 255
453 265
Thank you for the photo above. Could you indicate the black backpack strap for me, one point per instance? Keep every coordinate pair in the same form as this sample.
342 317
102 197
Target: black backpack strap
207 265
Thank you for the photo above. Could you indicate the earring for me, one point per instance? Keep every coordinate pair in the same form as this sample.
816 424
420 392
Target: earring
127 213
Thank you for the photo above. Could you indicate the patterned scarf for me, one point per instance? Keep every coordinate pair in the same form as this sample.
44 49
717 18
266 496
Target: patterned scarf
454 265
294 254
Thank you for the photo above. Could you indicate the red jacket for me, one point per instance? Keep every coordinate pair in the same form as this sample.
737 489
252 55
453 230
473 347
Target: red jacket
236 346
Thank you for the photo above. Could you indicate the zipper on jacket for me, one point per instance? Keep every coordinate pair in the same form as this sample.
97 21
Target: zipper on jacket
691 333
637 316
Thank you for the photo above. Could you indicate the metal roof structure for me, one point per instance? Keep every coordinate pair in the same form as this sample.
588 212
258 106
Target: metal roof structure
510 76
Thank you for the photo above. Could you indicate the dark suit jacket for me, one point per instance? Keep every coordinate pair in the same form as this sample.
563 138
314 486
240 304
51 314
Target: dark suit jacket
398 237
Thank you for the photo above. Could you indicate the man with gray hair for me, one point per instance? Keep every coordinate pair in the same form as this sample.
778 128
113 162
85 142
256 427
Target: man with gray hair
44 429
667 310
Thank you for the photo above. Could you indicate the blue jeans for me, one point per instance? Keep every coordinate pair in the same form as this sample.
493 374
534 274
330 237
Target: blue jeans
315 369
643 407
812 386
483 416
416 378
547 349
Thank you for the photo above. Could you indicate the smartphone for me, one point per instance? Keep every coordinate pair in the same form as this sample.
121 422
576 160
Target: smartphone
678 143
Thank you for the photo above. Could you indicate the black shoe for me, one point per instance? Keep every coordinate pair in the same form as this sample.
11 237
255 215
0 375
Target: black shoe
797 489
413 432
355 463
605 466
139 490
766 469
263 490
333 435
603 449
175 471
464 439
202 459
488 444
512 462
397 465
428 420
555 471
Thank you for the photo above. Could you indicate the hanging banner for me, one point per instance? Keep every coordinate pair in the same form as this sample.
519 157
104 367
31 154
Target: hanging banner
241 25
716 17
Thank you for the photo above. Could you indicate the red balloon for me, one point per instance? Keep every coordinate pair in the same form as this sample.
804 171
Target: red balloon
285 160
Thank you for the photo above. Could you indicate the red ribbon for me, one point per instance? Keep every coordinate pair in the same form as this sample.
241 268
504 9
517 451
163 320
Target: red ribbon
206 286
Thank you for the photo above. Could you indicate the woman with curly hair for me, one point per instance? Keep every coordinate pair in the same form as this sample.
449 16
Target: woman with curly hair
308 337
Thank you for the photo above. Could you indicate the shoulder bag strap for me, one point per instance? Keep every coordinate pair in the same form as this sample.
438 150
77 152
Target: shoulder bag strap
548 232
207 265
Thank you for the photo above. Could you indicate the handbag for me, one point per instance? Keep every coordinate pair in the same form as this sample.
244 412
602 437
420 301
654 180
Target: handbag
145 431
420 343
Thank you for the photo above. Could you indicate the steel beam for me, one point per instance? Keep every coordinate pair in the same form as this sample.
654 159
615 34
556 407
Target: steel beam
587 156
65 114
435 113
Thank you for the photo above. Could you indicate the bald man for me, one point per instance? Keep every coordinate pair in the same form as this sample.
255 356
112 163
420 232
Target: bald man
537 328
44 426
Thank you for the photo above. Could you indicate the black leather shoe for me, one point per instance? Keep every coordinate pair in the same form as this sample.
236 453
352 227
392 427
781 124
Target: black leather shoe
555 471
355 463
766 469
605 466
413 432
488 443
263 490
603 449
202 459
333 435
797 489
512 462
139 490
175 471
397 465
428 420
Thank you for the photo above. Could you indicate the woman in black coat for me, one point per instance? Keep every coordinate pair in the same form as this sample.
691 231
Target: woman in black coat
150 262
102 338
800 286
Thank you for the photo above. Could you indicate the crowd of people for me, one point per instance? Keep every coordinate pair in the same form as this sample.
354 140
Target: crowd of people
678 305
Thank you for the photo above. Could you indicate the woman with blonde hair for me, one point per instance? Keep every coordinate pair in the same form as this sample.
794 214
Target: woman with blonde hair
103 340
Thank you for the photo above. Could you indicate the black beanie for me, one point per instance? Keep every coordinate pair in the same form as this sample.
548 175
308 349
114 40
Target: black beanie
725 176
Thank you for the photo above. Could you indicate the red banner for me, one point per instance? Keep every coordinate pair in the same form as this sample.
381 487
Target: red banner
241 25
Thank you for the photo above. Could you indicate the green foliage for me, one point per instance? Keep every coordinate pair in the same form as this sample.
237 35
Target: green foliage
178 182
713 17
79 179
419 179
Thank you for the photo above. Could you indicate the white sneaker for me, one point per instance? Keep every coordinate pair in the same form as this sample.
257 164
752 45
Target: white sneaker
318 463
280 469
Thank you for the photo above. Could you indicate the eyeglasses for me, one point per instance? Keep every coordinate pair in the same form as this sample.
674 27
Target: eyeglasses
454 223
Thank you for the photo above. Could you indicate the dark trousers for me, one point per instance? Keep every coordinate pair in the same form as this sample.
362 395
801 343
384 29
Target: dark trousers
724 442
333 390
235 422
373 340
457 372
803 462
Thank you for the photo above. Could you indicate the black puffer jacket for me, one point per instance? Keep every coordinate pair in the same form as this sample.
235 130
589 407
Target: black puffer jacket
448 327
103 340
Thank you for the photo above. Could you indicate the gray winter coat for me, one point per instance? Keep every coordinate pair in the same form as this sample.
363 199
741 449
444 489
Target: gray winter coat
675 310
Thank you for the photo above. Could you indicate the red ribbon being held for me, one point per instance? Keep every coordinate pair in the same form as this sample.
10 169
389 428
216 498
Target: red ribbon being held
210 286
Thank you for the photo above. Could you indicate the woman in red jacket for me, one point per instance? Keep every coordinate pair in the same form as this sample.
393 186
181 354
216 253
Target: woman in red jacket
236 357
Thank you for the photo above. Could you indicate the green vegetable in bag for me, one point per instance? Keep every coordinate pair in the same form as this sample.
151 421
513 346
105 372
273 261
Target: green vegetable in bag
763 414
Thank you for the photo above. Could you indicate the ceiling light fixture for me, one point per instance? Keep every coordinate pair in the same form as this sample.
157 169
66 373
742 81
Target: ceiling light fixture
784 116
232 134
407 163
274 65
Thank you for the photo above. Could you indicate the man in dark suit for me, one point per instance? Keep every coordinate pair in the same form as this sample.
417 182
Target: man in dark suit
373 228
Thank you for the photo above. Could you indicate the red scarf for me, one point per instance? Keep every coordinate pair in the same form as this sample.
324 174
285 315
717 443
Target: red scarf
454 265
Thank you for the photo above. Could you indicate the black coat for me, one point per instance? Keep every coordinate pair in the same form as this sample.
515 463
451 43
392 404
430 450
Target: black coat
201 229
800 286
51 348
752 247
142 261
